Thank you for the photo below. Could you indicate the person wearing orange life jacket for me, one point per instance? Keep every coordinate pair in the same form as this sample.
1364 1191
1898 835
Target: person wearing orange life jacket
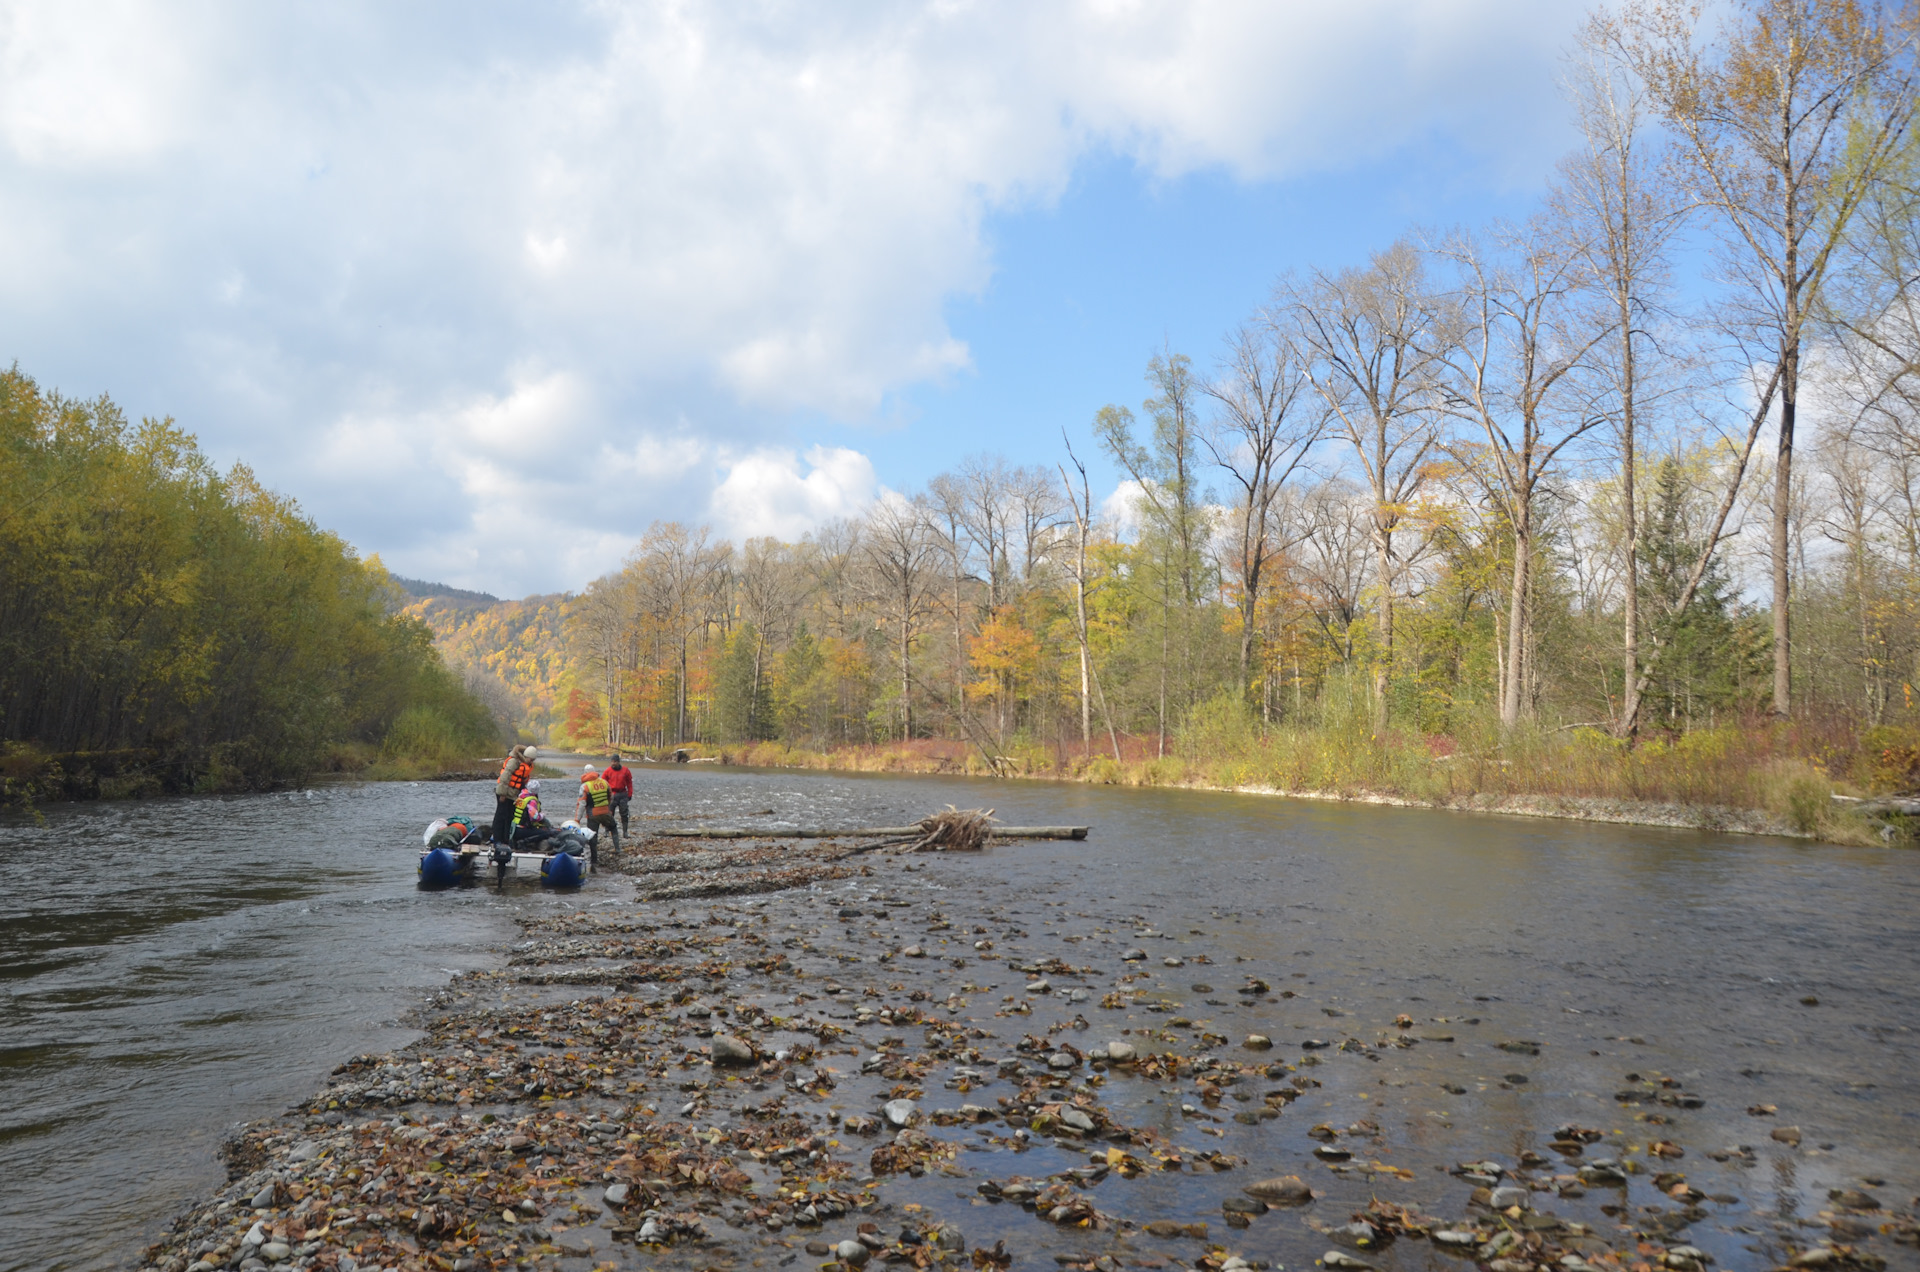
596 802
515 772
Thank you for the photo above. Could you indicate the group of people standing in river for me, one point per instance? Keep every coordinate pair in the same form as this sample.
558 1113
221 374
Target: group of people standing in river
605 798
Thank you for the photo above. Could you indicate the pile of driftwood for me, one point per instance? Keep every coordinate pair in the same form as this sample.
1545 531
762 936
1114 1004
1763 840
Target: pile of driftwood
952 830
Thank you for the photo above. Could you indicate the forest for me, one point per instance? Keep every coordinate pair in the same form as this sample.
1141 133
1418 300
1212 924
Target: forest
167 628
512 655
1619 499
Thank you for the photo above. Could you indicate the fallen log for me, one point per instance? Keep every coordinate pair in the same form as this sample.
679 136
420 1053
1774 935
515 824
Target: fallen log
861 832
1906 807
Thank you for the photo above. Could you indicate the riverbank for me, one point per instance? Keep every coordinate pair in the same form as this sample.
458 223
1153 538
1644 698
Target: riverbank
757 1054
30 776
1660 784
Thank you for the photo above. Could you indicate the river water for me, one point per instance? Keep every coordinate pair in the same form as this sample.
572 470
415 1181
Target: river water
174 968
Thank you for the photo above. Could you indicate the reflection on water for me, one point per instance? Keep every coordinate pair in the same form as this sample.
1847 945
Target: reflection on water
174 968
1623 953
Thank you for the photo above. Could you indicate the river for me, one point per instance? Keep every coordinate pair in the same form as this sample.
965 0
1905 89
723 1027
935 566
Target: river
174 968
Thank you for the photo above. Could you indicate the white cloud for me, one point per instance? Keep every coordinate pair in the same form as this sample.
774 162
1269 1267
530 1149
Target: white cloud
92 86
766 493
512 490
509 491
320 233
1125 508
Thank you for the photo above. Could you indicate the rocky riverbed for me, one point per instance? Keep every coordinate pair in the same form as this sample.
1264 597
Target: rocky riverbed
776 1054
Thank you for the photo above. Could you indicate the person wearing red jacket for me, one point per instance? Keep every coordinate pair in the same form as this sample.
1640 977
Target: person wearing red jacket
619 780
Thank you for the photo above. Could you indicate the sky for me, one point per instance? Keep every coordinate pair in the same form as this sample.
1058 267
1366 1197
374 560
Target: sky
488 287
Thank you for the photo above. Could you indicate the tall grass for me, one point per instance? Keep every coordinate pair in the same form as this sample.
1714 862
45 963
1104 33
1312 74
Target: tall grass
427 739
1788 771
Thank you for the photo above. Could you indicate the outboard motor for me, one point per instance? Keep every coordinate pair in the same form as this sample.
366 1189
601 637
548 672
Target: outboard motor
502 858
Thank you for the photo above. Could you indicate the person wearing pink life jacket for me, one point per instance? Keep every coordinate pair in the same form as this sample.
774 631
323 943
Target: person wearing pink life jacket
530 827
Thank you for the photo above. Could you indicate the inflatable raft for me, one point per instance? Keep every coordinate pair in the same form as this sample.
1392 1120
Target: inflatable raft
558 860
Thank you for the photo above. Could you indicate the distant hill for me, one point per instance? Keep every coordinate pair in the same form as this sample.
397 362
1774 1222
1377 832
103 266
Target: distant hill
521 644
424 590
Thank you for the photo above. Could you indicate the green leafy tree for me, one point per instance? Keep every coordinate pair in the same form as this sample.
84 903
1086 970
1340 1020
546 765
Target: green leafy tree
1173 567
1714 656
196 625
743 691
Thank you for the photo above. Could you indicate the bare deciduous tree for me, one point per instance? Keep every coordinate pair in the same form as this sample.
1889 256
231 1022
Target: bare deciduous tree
1260 436
1512 372
832 559
605 617
1621 215
771 587
1872 316
947 509
1334 533
1036 519
1080 502
1787 126
1378 339
900 550
680 579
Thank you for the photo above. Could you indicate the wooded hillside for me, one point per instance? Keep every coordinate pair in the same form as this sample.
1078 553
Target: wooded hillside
168 627
511 654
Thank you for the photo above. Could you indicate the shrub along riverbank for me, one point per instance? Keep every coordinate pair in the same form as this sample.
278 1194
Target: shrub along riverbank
1754 776
167 628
